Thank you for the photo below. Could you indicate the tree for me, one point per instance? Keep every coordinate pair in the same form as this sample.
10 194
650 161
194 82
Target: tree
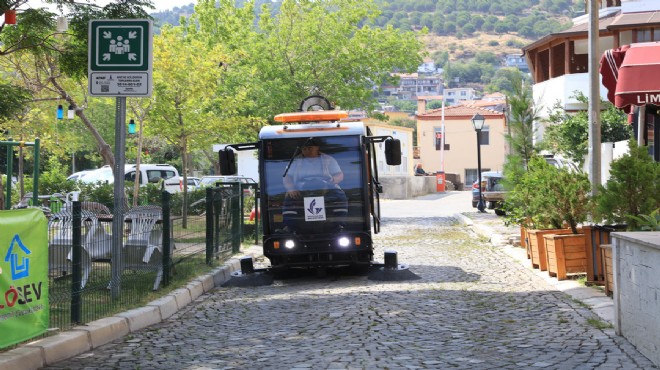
12 101
57 64
180 111
503 79
311 47
522 114
568 132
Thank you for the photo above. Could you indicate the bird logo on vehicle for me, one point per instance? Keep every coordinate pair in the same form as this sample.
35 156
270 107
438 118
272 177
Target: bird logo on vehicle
314 209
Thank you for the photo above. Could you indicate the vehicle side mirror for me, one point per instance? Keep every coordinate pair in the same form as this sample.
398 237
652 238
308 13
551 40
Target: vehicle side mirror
393 152
227 159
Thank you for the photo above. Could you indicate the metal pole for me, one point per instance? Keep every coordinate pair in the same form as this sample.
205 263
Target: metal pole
76 264
10 162
167 240
641 117
442 139
480 205
594 99
210 226
35 172
119 196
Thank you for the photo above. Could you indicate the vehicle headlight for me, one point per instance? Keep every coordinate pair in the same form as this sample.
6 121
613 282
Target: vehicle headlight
343 241
289 244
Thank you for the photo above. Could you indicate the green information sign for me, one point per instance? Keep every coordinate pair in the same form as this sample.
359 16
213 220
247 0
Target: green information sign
24 309
120 57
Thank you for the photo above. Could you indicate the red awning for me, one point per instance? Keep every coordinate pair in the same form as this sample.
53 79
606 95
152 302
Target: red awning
631 74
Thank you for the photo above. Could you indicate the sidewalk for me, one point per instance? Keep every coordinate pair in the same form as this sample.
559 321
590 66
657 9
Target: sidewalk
491 226
457 204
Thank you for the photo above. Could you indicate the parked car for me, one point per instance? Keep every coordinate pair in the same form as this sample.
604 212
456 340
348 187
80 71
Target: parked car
213 180
494 194
76 176
149 173
193 183
475 193
491 184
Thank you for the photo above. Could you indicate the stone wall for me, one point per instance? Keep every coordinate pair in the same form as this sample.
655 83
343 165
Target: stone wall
406 187
636 265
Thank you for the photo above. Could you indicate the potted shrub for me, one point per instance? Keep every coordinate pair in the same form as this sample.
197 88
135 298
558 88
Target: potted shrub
628 199
568 193
530 205
632 190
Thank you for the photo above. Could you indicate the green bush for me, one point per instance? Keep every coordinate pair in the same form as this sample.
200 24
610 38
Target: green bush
53 180
632 190
648 222
545 197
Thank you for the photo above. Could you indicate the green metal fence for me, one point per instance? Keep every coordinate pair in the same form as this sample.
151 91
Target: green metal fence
183 241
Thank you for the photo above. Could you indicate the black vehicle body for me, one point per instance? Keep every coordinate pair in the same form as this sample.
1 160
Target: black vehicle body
324 233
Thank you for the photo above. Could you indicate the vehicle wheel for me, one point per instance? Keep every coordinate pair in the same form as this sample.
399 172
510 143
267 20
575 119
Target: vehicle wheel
499 212
474 204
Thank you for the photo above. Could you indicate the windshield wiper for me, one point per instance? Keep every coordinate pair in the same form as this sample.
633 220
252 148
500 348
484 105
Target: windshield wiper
295 153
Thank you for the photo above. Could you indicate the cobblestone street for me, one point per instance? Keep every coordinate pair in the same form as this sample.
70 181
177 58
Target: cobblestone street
473 308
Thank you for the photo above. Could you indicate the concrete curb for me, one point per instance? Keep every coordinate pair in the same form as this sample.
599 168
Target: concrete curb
80 339
599 303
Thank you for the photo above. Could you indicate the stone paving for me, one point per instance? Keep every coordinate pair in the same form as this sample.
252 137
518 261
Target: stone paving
473 308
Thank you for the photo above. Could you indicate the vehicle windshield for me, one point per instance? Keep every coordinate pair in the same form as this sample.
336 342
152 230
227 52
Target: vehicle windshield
316 191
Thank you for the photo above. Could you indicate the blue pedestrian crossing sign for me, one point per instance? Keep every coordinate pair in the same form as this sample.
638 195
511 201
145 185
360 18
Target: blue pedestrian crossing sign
120 57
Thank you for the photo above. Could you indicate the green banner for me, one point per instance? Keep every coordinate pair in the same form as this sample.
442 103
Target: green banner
24 309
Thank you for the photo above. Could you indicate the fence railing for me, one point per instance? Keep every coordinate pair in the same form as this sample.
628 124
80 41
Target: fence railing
161 243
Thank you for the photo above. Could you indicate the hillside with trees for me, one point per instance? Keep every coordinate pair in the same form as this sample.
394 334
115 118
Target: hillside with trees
455 25
467 38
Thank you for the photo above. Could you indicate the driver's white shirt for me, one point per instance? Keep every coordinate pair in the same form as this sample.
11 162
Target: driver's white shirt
323 166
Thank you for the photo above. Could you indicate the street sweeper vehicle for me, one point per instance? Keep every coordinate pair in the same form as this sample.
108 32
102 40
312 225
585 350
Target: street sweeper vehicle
318 185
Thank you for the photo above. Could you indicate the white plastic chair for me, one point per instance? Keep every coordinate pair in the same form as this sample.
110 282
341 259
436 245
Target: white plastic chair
60 243
143 247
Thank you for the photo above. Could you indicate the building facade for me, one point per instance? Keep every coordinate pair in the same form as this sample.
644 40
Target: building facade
460 150
559 61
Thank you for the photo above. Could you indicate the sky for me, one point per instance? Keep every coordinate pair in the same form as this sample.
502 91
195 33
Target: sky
160 5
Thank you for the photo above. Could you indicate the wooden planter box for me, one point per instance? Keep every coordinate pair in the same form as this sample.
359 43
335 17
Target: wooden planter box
596 236
606 257
523 240
566 254
536 246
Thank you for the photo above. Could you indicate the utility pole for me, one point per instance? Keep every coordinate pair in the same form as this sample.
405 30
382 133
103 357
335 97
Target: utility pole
594 99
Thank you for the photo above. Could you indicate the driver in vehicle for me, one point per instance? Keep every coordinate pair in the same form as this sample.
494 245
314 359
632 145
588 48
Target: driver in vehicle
315 173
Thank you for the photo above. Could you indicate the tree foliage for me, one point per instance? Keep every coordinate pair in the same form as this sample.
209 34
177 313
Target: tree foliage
522 114
568 133
328 48
632 190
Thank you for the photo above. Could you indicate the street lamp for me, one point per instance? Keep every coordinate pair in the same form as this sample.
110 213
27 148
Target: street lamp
478 124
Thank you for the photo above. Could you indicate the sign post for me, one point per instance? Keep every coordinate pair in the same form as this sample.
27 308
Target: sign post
120 57
120 63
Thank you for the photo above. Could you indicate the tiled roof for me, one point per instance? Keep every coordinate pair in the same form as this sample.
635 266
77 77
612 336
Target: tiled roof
577 30
634 19
483 103
459 112
609 22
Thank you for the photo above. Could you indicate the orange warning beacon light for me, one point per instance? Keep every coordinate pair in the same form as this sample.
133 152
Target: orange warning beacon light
312 116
